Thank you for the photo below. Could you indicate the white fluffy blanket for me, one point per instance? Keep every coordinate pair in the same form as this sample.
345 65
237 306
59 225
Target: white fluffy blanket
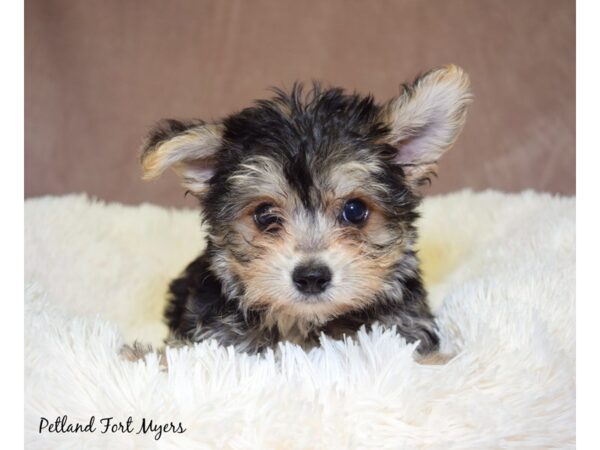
501 274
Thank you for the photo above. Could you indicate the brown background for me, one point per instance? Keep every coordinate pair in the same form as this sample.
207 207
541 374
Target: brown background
100 72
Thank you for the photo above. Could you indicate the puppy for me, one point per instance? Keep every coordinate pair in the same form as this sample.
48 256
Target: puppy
309 201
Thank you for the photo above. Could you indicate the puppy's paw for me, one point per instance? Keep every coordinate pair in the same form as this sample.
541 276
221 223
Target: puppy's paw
138 351
135 352
434 359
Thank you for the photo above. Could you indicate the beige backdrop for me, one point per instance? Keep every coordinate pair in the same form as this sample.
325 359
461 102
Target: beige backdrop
100 72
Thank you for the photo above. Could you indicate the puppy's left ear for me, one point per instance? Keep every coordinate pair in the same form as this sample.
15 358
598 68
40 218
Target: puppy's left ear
188 147
425 120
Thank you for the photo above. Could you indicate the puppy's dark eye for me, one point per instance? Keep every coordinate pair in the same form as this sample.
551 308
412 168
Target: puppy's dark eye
264 216
355 212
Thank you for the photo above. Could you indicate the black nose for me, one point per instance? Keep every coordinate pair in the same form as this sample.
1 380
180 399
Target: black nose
311 278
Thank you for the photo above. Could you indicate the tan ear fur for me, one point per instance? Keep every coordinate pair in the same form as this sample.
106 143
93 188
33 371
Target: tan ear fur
187 147
426 119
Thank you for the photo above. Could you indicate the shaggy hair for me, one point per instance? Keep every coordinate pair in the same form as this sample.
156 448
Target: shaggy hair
276 183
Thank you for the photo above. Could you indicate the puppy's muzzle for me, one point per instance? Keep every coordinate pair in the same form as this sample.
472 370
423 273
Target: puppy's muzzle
311 278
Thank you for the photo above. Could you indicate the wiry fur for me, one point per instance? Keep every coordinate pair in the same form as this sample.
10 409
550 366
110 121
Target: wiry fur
308 153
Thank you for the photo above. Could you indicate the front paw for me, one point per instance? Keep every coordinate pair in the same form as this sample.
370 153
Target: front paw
138 351
434 359
134 352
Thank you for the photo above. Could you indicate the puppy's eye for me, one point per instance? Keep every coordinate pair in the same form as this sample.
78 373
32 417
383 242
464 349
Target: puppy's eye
265 217
355 212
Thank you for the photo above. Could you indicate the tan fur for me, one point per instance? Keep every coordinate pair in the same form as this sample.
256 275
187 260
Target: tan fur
138 351
426 119
358 271
352 177
264 175
434 359
190 154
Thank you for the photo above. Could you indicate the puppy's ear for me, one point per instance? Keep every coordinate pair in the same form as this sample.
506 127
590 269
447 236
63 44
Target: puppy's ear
187 147
425 120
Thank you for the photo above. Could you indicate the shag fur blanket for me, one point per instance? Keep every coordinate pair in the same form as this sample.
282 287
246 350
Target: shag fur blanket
500 270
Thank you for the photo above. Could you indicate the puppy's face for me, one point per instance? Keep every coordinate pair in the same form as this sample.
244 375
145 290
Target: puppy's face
309 233
310 199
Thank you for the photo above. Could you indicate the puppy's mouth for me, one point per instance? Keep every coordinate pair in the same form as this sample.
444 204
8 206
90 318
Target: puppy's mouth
313 299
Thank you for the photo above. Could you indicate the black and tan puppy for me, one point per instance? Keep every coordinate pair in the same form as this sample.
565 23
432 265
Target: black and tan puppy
309 201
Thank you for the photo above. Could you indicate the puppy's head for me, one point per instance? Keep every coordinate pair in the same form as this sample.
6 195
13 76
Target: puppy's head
310 198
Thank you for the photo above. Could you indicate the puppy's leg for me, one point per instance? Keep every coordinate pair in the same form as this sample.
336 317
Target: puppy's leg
423 329
428 352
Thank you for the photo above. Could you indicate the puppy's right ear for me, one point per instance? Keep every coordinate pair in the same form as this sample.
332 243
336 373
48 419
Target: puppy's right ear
188 147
